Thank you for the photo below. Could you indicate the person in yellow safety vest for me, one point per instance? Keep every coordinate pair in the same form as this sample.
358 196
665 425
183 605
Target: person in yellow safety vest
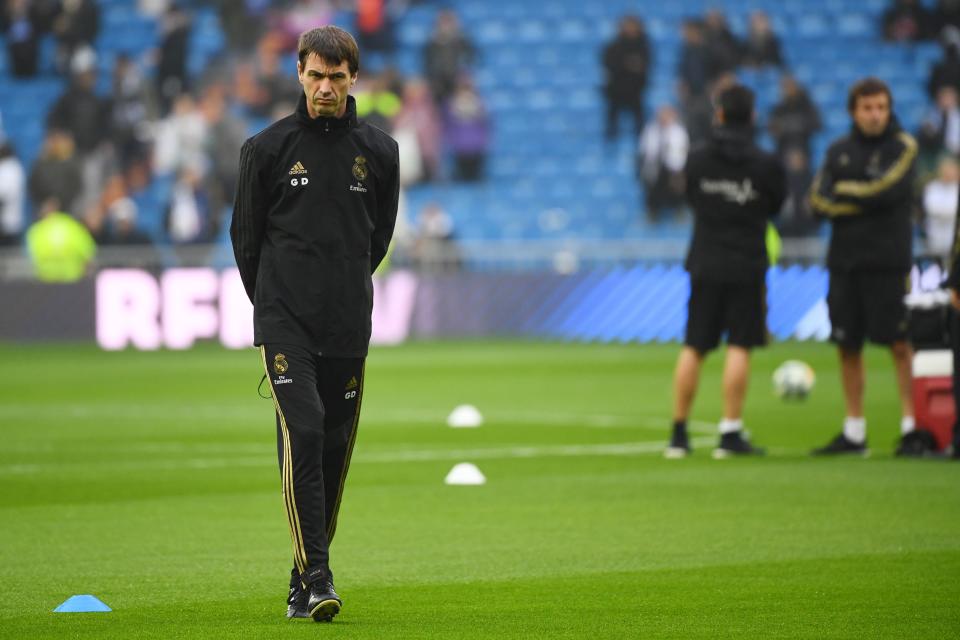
60 247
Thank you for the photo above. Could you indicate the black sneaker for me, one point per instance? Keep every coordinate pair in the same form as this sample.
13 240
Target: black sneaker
840 445
918 443
323 602
679 446
734 444
297 602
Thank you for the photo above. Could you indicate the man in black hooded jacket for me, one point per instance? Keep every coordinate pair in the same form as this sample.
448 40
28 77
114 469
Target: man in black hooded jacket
953 285
315 210
865 188
734 188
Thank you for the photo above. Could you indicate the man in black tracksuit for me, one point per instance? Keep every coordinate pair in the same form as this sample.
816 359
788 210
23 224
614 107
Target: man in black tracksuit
865 187
315 210
734 188
953 285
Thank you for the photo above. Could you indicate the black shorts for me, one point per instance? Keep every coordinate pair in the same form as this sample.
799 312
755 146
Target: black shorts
867 305
737 309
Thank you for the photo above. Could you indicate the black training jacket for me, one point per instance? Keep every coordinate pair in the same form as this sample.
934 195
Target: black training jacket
314 213
734 188
953 277
865 187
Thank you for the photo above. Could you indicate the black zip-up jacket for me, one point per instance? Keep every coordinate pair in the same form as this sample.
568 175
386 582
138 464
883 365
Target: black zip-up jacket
734 188
953 276
865 187
315 209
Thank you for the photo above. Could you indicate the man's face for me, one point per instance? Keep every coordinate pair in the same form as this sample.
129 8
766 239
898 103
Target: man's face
325 85
871 114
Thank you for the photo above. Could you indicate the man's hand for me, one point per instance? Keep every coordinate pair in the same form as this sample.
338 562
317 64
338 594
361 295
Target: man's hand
954 299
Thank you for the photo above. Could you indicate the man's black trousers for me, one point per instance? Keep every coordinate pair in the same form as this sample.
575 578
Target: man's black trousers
317 400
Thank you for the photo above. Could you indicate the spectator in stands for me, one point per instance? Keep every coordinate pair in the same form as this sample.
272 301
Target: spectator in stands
626 64
60 248
761 47
375 26
224 139
376 103
940 130
794 119
419 115
467 131
435 247
940 198
662 154
181 138
722 46
694 66
171 76
128 111
446 56
946 14
12 192
75 26
946 72
113 203
906 21
82 112
56 182
79 109
22 27
262 85
242 22
188 216
122 230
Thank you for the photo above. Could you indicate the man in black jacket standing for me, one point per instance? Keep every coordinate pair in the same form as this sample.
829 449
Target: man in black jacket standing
315 210
734 188
626 65
953 285
865 187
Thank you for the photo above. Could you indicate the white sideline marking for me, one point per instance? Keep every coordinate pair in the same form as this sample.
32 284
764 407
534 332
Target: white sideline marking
422 455
139 413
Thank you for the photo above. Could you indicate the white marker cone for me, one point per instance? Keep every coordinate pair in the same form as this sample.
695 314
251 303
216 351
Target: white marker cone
465 473
465 416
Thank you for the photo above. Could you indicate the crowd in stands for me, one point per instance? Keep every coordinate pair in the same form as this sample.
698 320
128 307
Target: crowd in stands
157 123
711 54
153 121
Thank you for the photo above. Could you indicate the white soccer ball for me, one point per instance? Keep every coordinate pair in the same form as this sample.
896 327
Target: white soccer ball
793 380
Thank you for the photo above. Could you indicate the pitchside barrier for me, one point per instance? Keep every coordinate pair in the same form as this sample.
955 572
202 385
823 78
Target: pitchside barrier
175 308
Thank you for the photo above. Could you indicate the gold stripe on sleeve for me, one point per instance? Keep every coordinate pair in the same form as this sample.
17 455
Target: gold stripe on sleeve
868 188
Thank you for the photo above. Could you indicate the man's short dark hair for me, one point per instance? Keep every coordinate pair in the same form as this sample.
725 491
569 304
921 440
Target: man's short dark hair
332 44
867 87
736 102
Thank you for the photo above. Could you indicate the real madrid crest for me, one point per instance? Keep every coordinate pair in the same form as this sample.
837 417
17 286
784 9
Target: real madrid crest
360 168
280 364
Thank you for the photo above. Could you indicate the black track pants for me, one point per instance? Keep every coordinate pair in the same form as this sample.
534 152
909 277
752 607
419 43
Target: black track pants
317 400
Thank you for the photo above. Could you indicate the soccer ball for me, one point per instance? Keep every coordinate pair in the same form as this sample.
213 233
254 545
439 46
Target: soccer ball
793 380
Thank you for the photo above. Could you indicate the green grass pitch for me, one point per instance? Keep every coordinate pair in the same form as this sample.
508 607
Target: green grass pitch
150 481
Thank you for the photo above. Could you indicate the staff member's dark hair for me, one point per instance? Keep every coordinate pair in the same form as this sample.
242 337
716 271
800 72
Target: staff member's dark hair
736 102
867 87
332 44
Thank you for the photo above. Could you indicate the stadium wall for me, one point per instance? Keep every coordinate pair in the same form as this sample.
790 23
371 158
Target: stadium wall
122 308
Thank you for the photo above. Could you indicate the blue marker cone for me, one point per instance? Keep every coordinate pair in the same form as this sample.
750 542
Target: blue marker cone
82 604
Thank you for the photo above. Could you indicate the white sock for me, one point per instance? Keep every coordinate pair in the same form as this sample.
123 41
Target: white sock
730 426
907 425
855 429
